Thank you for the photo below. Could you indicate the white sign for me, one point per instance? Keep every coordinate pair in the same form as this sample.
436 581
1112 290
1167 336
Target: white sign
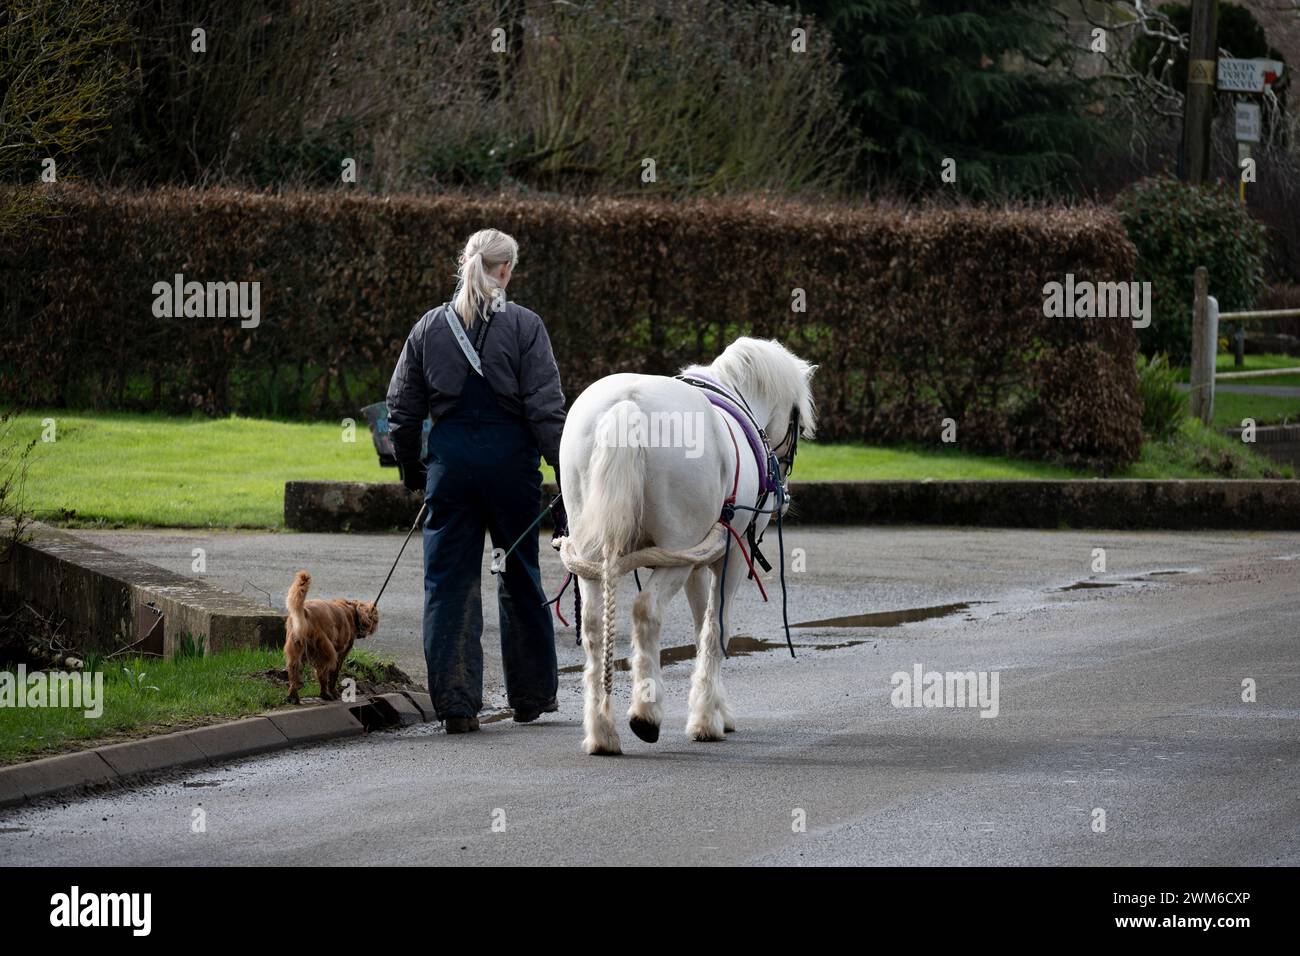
1248 122
1248 76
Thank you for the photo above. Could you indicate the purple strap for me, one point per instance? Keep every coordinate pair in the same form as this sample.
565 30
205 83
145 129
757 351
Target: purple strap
737 411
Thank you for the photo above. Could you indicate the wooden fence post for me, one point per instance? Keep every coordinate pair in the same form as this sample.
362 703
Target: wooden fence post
1204 347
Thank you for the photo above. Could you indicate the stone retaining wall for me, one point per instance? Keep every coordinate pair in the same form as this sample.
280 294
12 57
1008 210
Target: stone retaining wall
1084 503
100 593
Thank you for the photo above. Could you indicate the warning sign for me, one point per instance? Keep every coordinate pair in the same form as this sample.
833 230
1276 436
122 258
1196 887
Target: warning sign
1201 72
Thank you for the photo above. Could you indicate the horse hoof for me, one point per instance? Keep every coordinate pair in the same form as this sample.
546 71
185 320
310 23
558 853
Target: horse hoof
644 729
596 748
704 733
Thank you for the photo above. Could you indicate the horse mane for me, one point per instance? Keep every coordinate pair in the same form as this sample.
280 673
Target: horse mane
768 370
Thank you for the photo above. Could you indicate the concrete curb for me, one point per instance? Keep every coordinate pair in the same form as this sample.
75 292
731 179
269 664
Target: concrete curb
152 754
424 702
308 725
211 745
405 711
39 778
1124 504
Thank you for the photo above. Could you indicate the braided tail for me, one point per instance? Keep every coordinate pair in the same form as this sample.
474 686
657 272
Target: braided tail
608 589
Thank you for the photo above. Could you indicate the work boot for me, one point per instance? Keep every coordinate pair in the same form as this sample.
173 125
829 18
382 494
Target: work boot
528 714
461 725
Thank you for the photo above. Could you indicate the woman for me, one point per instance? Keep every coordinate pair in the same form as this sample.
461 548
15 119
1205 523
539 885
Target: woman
483 369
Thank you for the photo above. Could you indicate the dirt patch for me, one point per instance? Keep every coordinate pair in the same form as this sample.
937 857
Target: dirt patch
383 677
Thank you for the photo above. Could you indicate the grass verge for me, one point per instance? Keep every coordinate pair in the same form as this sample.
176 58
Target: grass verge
1200 452
145 696
122 469
1230 408
126 470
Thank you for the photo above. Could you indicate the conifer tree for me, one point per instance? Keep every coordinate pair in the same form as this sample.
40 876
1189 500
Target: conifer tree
987 83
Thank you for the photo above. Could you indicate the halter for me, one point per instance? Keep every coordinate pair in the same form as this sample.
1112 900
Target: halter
791 437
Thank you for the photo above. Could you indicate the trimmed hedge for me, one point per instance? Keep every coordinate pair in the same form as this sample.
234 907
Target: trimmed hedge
914 317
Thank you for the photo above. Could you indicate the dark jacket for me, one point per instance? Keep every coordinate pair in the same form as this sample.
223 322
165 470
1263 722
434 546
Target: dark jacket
517 362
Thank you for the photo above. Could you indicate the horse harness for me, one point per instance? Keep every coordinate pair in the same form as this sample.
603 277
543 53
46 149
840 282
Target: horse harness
769 465
771 481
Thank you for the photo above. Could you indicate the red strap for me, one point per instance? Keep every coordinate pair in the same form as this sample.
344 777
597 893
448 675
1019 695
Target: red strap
557 600
752 573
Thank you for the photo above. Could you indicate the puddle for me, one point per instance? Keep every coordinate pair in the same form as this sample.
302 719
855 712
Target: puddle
892 618
1143 578
741 645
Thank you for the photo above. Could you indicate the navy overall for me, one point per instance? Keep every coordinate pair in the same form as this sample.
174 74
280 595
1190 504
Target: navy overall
483 476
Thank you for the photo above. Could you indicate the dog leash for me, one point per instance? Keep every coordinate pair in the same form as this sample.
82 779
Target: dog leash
499 563
418 519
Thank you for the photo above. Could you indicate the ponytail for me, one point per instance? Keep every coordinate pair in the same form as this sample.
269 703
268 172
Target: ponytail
486 250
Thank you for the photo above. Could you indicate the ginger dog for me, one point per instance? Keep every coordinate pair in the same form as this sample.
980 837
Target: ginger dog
322 632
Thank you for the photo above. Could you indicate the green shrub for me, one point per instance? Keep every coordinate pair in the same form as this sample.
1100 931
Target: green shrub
1164 407
1177 227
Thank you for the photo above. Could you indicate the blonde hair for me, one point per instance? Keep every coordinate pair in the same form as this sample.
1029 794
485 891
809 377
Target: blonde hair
486 249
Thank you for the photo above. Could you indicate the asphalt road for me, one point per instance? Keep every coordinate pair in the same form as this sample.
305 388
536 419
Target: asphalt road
1125 699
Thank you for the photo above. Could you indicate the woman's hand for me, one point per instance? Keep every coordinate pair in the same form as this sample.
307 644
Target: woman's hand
561 519
413 475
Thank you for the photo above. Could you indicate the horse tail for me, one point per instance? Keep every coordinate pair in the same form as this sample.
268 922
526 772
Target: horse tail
612 502
614 490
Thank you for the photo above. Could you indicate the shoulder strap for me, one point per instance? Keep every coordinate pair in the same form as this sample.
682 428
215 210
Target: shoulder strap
458 330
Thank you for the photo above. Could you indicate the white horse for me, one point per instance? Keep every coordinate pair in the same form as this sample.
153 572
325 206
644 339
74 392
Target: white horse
634 500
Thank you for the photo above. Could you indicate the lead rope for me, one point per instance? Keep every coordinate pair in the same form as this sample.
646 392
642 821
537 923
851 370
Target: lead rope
780 544
780 549
577 601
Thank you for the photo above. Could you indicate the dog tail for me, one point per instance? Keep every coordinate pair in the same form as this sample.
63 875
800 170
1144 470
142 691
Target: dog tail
295 599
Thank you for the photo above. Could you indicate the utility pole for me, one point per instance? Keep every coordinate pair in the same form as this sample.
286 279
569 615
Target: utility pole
1198 102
